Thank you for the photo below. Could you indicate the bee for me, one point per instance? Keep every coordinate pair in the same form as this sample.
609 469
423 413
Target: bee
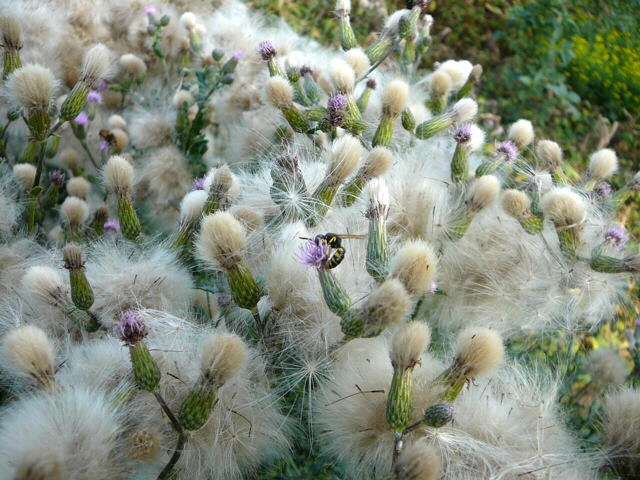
333 241
107 136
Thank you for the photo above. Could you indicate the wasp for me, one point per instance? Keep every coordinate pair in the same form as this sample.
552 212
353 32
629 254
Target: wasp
333 241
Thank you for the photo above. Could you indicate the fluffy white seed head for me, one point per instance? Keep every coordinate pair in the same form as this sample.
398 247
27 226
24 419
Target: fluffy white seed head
78 187
483 192
394 97
408 343
250 218
379 198
116 121
32 87
221 240
388 304
95 64
620 431
11 31
223 356
521 133
343 6
415 264
345 158
280 92
379 161
43 283
358 61
550 153
440 84
144 444
75 211
118 174
189 20
26 174
191 206
602 164
181 97
120 140
606 368
342 75
516 203
70 158
476 141
29 352
133 64
464 110
563 207
479 351
458 71
417 461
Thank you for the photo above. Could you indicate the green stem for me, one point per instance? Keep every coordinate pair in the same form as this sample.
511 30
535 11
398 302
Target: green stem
40 167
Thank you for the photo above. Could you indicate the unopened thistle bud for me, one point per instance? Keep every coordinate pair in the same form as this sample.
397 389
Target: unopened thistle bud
408 120
29 351
468 139
482 193
222 357
363 101
602 164
347 36
11 44
377 244
280 93
479 351
132 330
407 346
336 109
95 66
415 264
377 163
222 241
267 52
518 205
417 461
32 87
463 111
377 50
521 133
440 86
394 100
438 415
118 174
567 211
81 292
345 158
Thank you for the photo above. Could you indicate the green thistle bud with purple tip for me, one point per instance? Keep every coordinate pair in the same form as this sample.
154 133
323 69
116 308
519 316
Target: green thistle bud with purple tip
132 330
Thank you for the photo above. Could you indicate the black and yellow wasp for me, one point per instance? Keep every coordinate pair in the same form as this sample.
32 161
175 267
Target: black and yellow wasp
333 241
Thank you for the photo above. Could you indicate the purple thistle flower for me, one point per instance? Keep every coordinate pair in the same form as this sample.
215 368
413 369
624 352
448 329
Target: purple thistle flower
56 177
337 102
198 183
238 55
150 10
101 85
131 328
94 97
104 145
617 236
462 133
267 50
305 70
508 150
82 119
314 255
602 190
112 226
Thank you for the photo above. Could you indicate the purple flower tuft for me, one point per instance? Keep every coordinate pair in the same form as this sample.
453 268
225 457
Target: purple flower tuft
131 328
602 190
150 10
508 150
267 50
56 177
337 102
101 85
82 119
112 226
94 97
238 55
617 236
104 145
198 183
314 255
462 133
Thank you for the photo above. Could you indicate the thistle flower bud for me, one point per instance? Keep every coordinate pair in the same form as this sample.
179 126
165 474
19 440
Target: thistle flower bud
26 175
438 415
11 30
521 133
223 356
33 86
358 61
131 329
132 64
550 153
417 461
415 264
602 164
267 51
468 139
75 212
78 187
377 245
29 352
387 305
407 346
463 111
81 292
